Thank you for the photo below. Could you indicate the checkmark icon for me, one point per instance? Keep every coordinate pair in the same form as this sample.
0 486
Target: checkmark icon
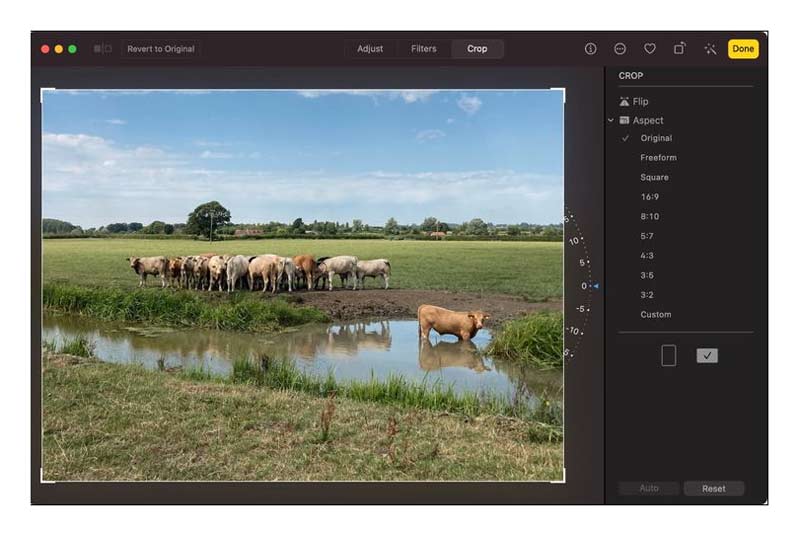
707 355
625 139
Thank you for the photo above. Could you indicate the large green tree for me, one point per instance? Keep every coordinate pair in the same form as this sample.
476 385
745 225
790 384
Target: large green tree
391 226
477 227
200 220
155 227
429 224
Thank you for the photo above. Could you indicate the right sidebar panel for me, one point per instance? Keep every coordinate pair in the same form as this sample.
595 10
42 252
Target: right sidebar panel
686 285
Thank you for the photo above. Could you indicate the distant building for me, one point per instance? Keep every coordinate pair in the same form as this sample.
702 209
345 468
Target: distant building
437 235
242 232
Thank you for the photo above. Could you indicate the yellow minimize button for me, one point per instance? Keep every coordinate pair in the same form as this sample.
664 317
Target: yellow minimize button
743 48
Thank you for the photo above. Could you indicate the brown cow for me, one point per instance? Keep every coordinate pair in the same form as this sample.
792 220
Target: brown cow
307 264
462 324
201 278
175 271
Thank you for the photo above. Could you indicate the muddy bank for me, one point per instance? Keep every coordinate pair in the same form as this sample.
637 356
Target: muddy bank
343 304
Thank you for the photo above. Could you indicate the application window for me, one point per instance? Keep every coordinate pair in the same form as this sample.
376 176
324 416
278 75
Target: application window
306 267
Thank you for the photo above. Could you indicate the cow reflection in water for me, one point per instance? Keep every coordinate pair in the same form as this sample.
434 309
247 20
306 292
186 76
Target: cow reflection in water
450 354
343 340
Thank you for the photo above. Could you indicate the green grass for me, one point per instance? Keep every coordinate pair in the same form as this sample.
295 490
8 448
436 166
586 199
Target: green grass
76 346
113 422
178 308
529 269
396 390
536 339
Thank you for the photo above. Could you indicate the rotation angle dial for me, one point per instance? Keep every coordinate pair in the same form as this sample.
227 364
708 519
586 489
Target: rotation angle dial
579 285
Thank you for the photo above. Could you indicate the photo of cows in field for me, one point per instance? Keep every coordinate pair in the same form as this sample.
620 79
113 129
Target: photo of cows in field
302 285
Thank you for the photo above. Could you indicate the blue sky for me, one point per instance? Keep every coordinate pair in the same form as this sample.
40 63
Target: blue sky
112 156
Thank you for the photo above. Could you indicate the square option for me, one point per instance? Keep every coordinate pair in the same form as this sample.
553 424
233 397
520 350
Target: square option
707 355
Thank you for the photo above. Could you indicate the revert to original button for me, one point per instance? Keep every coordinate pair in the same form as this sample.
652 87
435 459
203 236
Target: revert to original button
743 48
713 488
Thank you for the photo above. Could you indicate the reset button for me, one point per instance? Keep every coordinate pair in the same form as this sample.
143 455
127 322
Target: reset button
713 488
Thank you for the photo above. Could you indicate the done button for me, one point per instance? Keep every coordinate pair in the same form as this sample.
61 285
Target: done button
743 48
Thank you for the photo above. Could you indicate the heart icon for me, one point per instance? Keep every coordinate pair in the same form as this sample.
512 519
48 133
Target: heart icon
649 47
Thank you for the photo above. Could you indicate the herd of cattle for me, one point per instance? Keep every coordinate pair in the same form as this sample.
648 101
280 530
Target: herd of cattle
268 271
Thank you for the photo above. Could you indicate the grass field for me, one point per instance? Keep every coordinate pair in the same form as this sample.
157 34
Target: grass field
114 422
106 421
529 269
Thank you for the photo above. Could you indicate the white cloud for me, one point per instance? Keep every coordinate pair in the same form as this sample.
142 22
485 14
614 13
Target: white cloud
204 143
418 95
408 96
470 104
451 120
210 154
92 181
116 122
429 135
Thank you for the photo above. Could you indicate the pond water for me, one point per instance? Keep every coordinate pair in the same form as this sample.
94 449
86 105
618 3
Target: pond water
352 351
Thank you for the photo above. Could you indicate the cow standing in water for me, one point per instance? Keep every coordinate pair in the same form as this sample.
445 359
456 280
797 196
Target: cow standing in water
462 324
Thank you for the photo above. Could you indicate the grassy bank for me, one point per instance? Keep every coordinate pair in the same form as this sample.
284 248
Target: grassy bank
536 339
76 346
530 269
113 422
395 390
178 308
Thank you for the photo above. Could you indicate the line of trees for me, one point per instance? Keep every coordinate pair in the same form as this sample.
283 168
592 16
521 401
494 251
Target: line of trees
430 227
212 219
58 227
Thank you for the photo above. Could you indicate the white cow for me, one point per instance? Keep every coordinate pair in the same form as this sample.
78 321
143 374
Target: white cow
341 265
269 267
216 270
373 269
289 269
237 269
153 265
